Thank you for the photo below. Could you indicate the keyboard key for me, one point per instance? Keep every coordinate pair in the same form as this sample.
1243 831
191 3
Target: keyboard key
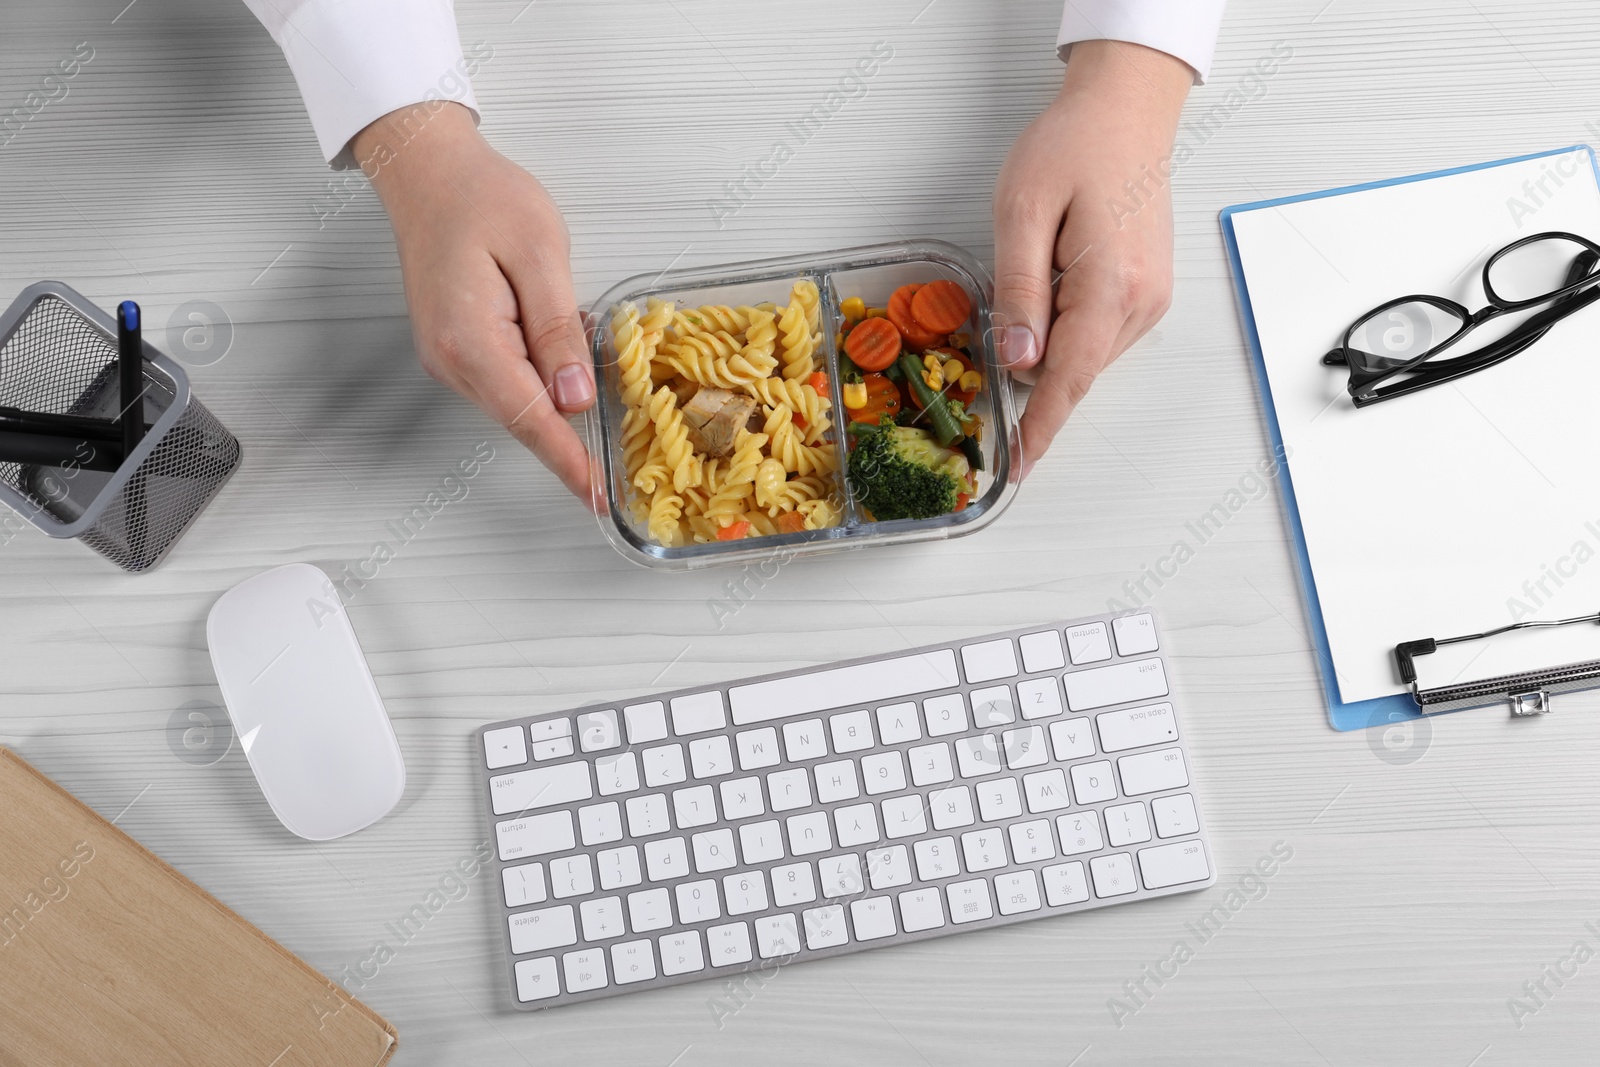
951 807
836 781
696 806
761 842
729 944
1070 738
989 660
540 787
983 849
681 953
1174 864
977 756
888 867
1024 748
825 927
998 799
1042 652
1088 643
793 884
646 722
602 918
713 851
872 918
1039 698
536 979
843 687
884 772
597 731
710 756
1175 816
1079 833
555 748
741 798
551 739
1065 884
993 706
841 875
697 901
523 885
851 731
808 833
969 901
649 909
776 936
1113 875
904 816
945 715
1031 841
936 858
804 740
1017 892
1127 824
632 961
758 748
666 858
599 824
1136 634
920 909
1153 724
647 815
619 867
571 876
789 789
697 713
532 931
664 766
504 747
745 892
1092 783
1149 772
930 764
855 824
536 835
617 774
898 722
1120 683
585 969
1046 790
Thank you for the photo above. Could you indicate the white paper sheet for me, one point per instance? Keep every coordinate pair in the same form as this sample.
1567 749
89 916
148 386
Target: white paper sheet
1465 506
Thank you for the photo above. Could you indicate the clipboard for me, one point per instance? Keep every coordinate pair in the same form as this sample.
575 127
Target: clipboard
1527 691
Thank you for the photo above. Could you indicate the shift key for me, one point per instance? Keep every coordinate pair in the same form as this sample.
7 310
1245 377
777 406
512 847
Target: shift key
540 787
1100 687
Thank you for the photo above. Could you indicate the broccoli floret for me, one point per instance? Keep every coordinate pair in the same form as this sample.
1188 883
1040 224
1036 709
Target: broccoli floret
900 472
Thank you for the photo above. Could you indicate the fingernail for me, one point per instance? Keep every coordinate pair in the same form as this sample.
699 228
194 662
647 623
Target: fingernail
573 387
1016 346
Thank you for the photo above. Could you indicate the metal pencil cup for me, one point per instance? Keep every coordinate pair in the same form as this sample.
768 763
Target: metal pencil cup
58 355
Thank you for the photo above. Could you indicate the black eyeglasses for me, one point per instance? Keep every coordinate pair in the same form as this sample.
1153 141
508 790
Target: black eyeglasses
1399 342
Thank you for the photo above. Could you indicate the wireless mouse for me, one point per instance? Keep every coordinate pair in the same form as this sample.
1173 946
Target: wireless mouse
303 703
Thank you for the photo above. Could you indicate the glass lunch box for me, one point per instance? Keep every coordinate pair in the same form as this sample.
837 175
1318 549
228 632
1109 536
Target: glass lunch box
870 273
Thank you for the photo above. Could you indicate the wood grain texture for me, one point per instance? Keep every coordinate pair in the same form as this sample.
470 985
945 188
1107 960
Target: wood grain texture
1421 895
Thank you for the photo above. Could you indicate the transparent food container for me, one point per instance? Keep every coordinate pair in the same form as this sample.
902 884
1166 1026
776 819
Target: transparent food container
871 273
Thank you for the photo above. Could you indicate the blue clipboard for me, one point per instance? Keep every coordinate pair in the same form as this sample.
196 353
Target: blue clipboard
1380 711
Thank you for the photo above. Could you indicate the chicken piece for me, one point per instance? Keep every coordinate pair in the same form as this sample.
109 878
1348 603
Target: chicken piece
714 417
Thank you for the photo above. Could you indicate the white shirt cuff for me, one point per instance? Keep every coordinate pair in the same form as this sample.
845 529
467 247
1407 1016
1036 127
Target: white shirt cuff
1185 29
357 60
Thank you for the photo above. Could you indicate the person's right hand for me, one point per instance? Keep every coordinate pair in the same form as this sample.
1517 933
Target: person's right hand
484 254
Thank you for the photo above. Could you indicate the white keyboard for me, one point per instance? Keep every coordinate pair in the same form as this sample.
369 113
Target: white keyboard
818 812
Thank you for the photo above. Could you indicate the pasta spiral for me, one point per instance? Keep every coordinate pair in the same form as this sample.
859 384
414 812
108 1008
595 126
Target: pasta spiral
796 343
800 398
676 452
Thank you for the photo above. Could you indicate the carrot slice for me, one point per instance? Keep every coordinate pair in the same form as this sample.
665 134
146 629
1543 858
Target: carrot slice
873 345
818 381
790 522
900 312
941 306
734 532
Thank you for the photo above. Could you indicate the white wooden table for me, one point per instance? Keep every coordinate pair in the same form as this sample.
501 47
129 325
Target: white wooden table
1422 893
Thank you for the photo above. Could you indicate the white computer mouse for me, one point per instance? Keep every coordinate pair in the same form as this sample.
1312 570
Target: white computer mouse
303 703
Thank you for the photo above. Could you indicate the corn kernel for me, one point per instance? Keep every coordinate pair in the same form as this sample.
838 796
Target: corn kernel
930 360
877 313
934 378
853 308
971 382
960 340
953 370
855 395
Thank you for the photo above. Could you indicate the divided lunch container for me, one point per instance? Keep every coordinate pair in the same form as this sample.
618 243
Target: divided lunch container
871 273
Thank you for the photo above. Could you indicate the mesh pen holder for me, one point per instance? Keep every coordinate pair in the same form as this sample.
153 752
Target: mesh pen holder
58 355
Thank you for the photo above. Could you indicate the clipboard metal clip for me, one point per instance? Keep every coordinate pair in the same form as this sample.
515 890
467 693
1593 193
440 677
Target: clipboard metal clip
1528 693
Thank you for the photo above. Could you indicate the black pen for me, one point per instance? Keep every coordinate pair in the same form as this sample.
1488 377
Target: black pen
130 361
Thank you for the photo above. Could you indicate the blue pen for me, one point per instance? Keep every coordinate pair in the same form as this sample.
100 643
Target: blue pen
130 362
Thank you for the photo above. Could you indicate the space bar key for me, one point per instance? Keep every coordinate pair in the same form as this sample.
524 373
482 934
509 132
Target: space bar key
842 687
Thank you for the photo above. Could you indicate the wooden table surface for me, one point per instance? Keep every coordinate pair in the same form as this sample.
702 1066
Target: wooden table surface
1433 873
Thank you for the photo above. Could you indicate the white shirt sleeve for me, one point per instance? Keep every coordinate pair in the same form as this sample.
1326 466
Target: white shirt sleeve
357 60
1186 29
